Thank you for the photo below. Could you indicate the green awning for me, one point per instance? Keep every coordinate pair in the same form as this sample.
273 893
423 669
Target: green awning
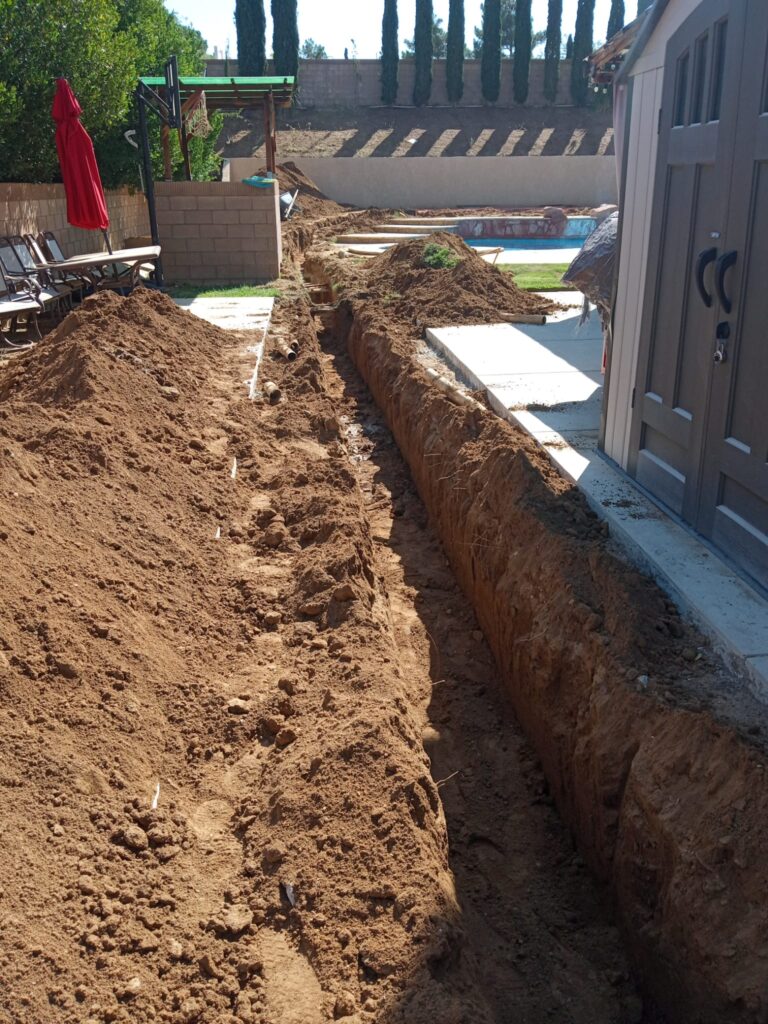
232 93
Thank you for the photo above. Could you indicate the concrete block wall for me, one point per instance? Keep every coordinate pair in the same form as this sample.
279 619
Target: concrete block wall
219 232
33 208
356 83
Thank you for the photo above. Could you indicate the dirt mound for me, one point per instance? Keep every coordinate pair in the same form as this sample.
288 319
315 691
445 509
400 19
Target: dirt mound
472 292
313 204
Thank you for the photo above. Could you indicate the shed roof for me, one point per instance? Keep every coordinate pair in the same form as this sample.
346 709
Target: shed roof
232 93
653 18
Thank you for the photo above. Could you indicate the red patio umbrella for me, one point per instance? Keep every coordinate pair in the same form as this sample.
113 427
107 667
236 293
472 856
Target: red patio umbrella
86 205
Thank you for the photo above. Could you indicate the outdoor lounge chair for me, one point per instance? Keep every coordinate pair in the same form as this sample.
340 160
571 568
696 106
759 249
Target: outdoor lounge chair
109 276
26 278
79 284
18 316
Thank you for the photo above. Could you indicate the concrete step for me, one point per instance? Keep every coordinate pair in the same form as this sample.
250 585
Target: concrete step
375 238
431 221
417 229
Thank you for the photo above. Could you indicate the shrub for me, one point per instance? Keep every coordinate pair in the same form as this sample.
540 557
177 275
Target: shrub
440 257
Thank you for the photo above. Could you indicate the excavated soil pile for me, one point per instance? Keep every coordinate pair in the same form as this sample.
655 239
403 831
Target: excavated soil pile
472 292
313 203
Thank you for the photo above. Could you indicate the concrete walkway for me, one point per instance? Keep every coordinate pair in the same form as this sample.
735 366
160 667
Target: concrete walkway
233 314
547 380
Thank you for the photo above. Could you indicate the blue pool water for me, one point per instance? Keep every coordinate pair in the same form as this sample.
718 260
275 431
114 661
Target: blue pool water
574 242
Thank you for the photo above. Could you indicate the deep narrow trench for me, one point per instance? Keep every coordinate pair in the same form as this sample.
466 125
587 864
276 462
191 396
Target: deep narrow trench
539 936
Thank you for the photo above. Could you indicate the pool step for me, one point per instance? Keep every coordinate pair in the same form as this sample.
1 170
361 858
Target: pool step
375 239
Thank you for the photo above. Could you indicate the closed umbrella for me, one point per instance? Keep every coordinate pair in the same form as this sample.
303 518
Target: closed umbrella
86 205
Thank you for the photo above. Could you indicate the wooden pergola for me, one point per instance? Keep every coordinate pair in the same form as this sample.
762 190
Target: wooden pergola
220 94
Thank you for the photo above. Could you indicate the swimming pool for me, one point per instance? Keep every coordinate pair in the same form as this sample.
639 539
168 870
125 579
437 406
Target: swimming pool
574 242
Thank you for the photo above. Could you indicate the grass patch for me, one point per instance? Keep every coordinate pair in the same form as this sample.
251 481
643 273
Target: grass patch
238 291
538 277
440 257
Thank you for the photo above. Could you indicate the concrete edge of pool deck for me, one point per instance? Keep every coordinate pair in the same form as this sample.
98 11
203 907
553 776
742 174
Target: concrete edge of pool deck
547 380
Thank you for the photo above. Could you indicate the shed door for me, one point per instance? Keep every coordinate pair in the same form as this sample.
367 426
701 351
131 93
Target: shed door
734 499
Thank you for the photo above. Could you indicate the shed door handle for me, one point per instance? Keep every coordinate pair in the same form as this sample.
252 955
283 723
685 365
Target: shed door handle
724 264
705 257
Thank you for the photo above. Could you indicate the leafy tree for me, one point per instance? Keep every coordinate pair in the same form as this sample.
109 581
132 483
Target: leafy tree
102 47
569 48
523 45
490 69
251 27
310 50
455 51
422 37
439 41
616 18
285 37
552 50
389 53
40 42
582 47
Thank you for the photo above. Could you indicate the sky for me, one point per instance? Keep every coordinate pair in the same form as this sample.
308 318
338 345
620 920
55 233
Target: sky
356 24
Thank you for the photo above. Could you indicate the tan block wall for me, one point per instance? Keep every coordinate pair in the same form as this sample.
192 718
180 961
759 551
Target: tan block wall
357 83
222 232
34 208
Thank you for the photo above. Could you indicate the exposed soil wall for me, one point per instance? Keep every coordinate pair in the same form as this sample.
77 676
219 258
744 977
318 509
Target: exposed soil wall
666 802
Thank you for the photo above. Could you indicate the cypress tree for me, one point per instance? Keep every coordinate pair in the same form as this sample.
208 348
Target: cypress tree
552 50
643 5
285 36
582 47
390 53
523 42
490 59
569 48
422 42
616 18
455 57
251 28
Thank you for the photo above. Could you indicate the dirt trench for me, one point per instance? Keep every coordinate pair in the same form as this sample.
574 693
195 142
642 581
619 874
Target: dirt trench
654 756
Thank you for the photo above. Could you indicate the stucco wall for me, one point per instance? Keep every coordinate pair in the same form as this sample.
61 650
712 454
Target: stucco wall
29 209
218 232
356 83
435 182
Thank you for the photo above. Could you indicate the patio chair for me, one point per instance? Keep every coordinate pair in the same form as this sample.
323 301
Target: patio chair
77 283
20 270
18 311
113 276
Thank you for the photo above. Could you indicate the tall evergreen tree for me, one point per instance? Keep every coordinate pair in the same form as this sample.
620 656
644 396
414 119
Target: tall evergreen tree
523 41
569 48
615 18
390 53
285 36
454 70
422 41
552 50
251 28
490 60
582 47
643 5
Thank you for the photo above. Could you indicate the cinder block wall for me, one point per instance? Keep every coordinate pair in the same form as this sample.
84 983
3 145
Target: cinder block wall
357 83
33 208
222 232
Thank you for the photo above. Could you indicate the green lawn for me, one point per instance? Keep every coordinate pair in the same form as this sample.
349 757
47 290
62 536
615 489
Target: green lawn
240 291
537 277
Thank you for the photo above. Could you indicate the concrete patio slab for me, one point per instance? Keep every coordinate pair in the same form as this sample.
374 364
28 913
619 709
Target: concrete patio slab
233 314
547 380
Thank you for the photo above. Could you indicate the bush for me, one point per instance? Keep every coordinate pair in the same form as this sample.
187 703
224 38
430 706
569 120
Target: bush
440 257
